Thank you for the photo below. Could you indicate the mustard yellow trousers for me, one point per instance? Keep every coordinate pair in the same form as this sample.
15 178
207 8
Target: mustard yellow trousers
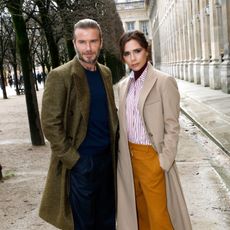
150 191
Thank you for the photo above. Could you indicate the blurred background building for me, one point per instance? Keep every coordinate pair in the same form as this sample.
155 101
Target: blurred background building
189 39
134 15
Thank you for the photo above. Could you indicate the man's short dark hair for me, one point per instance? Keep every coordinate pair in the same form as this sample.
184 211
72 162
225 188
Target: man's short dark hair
85 24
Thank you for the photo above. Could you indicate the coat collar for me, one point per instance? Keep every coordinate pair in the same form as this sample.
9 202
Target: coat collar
149 82
82 88
122 103
81 85
106 77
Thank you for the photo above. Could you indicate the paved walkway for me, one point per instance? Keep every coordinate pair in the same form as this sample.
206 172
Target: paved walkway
209 109
202 166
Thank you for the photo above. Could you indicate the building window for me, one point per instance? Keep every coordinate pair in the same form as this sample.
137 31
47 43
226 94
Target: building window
130 26
144 27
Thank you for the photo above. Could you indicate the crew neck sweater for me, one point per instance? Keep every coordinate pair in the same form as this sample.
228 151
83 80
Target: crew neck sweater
97 138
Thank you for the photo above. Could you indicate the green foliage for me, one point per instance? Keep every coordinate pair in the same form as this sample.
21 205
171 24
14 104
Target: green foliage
8 174
116 66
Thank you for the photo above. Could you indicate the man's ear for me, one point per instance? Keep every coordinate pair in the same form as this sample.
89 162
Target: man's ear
74 44
101 43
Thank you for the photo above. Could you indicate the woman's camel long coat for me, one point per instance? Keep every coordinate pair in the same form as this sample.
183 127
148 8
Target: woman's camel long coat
159 108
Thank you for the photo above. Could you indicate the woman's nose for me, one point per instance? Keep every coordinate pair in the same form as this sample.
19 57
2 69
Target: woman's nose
132 56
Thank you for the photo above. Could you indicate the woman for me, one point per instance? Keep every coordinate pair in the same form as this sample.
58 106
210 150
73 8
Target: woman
149 191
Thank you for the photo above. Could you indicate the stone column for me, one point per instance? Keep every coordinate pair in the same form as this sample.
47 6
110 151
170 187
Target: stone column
185 41
225 66
180 28
197 41
161 28
168 49
214 71
205 37
173 30
153 50
170 42
190 42
137 25
178 48
169 35
156 47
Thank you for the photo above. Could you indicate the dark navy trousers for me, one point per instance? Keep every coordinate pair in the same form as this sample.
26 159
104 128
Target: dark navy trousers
92 193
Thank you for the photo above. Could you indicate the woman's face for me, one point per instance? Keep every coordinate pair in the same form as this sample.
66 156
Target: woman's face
135 56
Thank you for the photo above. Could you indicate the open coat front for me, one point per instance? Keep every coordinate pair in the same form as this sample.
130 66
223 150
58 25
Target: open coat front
159 107
65 112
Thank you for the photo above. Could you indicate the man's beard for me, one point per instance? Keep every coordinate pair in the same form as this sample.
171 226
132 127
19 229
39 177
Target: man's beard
88 61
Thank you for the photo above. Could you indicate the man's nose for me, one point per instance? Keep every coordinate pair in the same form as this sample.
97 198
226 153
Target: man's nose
88 46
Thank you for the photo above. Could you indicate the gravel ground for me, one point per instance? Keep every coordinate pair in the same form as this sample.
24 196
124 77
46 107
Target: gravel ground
200 163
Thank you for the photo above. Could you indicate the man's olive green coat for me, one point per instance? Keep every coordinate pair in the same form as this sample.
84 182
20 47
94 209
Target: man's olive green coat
65 112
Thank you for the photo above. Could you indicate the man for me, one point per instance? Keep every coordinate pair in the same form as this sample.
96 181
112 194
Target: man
79 120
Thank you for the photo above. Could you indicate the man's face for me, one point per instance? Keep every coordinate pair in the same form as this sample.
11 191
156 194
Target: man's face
87 44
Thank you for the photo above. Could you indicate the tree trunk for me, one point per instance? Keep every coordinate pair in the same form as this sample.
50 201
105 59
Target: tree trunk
22 41
68 30
70 48
1 176
2 83
35 78
13 51
46 24
43 74
16 78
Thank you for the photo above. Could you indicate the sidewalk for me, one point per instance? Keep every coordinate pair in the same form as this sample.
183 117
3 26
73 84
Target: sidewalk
200 163
209 109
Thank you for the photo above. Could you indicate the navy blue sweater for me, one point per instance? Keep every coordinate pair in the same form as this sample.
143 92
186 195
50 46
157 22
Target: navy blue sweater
97 138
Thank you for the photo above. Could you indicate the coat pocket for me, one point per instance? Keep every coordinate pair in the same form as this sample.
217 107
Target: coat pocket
59 168
151 102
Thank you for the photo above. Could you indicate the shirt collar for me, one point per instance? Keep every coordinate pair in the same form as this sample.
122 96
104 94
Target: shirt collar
142 77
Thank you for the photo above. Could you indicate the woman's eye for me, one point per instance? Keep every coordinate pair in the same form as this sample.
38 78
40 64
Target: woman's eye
137 51
126 54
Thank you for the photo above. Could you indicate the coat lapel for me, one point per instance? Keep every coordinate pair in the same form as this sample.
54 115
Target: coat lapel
122 103
148 85
107 84
82 89
110 97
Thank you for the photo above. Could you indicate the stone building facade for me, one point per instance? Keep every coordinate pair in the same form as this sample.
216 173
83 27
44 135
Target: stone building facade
134 15
190 39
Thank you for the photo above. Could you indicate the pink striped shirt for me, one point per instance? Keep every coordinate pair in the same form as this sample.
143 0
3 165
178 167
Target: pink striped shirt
135 126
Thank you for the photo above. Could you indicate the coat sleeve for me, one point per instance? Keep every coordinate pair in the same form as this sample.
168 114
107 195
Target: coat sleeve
52 116
171 110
